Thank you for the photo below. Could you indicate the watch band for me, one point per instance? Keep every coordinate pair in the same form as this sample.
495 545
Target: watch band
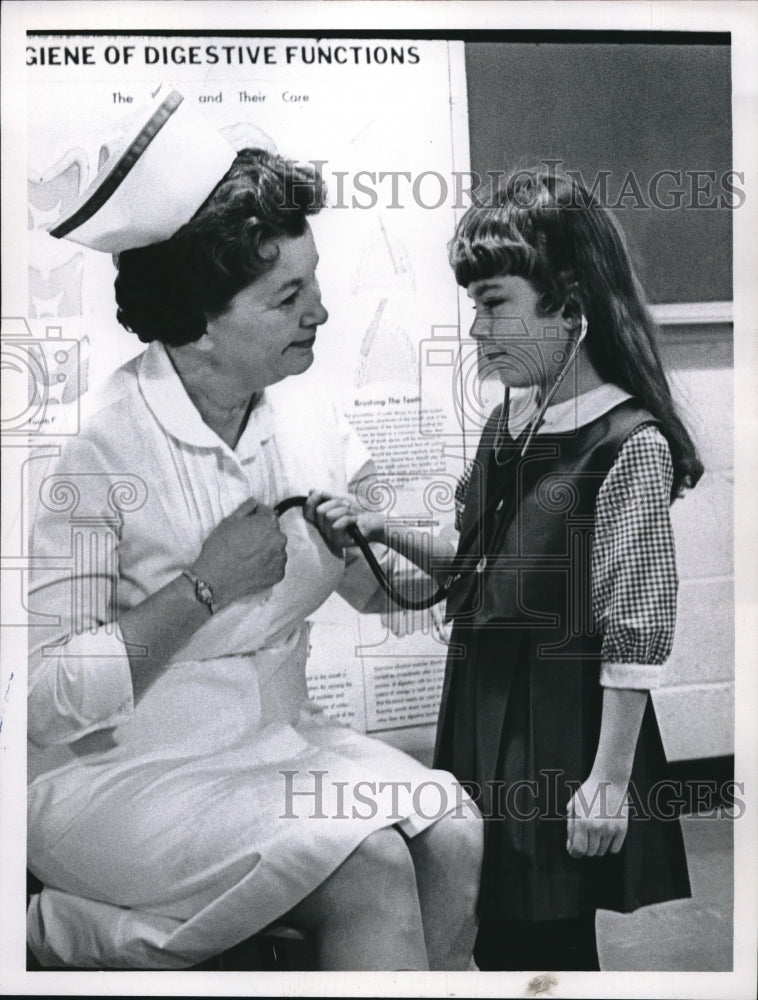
203 590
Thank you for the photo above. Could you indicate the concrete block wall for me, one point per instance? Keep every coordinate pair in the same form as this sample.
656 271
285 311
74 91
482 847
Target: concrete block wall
695 706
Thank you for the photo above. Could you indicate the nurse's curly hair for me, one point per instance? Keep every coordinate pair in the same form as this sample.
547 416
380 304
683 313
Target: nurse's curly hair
169 290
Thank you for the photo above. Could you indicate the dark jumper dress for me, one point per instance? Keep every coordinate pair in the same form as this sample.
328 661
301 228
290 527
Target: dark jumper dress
521 704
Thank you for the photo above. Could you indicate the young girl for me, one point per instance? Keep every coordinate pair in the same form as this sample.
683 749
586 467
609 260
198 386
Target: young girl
564 602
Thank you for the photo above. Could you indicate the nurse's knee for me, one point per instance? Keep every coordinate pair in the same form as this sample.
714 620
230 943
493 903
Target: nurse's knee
466 830
383 860
469 831
377 879
384 879
455 845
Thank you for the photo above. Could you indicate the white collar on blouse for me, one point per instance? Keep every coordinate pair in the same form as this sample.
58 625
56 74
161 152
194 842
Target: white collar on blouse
169 402
567 415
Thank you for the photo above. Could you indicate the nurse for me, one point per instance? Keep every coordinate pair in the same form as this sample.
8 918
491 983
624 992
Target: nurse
172 743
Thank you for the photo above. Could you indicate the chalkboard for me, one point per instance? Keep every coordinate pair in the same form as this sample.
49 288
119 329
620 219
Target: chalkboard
639 108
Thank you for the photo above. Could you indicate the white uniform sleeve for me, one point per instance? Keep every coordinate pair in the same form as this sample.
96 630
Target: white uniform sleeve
79 676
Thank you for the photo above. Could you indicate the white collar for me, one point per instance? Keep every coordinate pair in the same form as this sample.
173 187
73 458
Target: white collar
567 415
172 407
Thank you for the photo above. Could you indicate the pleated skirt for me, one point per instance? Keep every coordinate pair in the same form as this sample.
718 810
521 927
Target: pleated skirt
520 732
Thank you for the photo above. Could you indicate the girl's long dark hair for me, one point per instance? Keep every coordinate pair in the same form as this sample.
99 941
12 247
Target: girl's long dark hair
546 227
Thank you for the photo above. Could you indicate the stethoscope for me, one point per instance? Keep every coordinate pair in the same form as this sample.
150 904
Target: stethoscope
459 565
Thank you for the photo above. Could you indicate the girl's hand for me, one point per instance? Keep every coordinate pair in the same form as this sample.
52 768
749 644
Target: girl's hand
598 815
402 623
334 515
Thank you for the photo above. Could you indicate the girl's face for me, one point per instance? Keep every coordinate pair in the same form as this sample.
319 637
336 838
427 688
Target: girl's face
516 342
268 330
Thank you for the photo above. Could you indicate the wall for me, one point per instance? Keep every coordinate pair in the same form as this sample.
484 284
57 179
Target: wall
696 704
632 111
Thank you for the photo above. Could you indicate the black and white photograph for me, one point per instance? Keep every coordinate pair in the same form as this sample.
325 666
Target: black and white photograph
378 498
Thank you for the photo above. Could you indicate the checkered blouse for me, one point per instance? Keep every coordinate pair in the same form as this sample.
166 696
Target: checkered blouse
634 578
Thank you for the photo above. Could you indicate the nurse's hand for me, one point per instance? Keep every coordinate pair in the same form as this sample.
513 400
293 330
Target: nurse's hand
333 515
244 554
598 816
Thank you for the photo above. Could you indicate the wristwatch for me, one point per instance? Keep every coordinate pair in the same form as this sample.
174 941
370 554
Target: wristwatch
203 590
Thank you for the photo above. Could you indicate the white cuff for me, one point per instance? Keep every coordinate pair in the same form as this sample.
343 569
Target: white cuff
642 676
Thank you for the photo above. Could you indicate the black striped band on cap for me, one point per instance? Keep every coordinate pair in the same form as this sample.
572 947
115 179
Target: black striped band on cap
104 191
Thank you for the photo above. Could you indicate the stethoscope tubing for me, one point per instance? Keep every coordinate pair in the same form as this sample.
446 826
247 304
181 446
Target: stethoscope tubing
457 566
405 602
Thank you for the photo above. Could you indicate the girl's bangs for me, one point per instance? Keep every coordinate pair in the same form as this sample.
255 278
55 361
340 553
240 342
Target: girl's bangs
486 245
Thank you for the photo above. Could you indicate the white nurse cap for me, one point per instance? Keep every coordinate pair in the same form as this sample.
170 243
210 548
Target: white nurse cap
158 172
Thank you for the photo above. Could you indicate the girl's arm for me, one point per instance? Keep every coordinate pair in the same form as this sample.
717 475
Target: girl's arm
597 813
333 515
634 584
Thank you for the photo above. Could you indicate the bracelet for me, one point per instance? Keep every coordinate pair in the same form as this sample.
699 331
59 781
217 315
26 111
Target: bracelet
203 590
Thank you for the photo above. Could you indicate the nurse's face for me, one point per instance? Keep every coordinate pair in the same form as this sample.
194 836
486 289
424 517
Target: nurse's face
268 330
516 341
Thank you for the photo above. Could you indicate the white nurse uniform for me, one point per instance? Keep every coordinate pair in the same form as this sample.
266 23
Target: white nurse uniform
163 830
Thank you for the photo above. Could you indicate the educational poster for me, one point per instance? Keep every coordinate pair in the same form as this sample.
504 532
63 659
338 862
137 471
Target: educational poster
386 123
384 114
